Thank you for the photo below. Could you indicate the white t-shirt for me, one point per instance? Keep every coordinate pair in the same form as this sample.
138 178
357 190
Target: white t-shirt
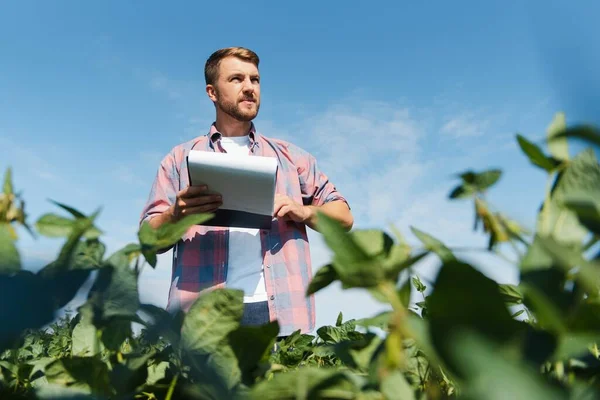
245 266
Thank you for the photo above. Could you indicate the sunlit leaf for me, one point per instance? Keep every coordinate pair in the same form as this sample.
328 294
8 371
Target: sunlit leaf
558 145
434 245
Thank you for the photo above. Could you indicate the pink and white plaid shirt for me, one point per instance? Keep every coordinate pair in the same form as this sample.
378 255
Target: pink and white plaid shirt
200 257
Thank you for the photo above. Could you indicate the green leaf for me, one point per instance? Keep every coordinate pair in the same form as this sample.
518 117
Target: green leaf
548 316
511 294
10 260
323 278
86 373
486 179
115 291
586 205
381 320
487 371
8 186
582 175
535 154
558 146
60 392
395 386
451 307
462 192
307 383
75 213
85 342
340 319
590 134
588 274
404 293
373 242
133 373
434 245
52 225
346 250
354 267
154 240
574 345
211 318
252 346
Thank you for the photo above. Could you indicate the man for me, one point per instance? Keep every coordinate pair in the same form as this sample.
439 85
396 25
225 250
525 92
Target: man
272 266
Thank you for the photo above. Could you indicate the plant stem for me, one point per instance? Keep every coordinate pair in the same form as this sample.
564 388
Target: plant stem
171 388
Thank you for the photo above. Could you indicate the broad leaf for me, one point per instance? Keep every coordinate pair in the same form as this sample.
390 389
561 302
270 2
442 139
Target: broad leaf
586 205
307 383
434 245
487 370
395 386
451 307
535 154
87 373
580 176
252 346
323 278
211 318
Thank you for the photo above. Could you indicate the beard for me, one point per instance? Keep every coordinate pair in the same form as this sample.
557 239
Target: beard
238 112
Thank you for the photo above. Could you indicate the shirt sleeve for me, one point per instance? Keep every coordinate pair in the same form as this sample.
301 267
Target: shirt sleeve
164 189
316 187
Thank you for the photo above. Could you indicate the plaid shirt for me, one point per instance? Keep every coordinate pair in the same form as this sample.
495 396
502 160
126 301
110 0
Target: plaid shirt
200 257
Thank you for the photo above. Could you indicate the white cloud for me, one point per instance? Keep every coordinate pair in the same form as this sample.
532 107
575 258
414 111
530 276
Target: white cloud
465 125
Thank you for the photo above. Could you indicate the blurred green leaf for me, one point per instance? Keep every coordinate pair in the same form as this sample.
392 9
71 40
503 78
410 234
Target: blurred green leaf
252 346
558 145
10 260
307 383
590 134
581 175
535 154
86 373
154 240
323 278
491 375
7 187
548 316
451 307
211 318
395 386
586 205
434 245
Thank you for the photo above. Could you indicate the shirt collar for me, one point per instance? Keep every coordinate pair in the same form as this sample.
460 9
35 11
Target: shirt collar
214 135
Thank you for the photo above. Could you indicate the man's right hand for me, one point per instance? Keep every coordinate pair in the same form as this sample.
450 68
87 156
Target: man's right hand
194 200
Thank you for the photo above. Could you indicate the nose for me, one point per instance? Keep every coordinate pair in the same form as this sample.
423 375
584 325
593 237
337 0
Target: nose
248 87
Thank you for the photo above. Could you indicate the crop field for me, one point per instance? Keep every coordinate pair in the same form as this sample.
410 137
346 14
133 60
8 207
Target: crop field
469 337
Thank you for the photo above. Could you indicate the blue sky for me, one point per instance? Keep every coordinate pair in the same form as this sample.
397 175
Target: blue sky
392 97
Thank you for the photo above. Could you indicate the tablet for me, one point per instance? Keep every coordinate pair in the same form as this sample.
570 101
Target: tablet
247 186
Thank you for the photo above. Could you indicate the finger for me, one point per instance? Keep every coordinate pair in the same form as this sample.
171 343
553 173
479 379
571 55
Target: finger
193 191
205 208
283 211
200 200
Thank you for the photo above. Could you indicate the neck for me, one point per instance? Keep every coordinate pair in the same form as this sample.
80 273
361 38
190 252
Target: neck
231 127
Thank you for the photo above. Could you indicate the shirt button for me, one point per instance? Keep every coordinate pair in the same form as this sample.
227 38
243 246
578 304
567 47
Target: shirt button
268 266
272 297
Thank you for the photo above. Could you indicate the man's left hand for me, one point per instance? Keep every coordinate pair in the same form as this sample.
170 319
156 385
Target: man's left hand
288 209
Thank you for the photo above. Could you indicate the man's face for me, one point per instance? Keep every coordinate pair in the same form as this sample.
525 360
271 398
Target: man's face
237 90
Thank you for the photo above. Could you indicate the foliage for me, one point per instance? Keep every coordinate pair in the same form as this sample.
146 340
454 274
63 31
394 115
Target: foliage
469 337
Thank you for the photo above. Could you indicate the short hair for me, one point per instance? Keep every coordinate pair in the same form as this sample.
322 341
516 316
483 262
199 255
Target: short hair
211 68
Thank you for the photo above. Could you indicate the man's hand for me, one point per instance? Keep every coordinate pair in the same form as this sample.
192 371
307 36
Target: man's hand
194 200
288 209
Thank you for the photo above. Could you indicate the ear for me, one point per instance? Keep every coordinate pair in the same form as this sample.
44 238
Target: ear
211 92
